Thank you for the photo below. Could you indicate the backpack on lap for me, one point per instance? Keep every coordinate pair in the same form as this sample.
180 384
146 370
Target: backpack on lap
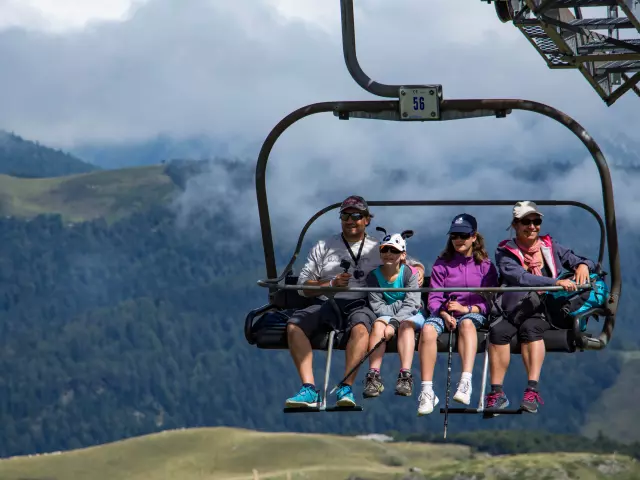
562 306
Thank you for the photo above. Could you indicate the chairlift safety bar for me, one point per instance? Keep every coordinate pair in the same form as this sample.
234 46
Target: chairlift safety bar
264 283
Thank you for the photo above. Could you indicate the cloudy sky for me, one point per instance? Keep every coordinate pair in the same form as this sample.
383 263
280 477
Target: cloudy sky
82 71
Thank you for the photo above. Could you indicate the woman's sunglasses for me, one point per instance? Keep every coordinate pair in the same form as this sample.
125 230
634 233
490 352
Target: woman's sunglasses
356 216
527 221
389 250
461 236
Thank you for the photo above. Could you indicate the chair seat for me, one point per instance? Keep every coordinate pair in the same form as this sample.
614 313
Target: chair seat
266 328
268 331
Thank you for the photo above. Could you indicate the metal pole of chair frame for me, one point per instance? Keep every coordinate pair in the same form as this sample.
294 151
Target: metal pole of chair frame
555 288
485 371
323 405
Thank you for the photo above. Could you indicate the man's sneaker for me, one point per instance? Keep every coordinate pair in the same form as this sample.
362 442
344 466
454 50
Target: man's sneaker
404 384
463 394
427 402
530 401
495 400
306 397
372 385
345 397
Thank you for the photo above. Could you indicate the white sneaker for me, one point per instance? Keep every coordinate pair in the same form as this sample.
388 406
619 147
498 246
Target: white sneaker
463 394
427 401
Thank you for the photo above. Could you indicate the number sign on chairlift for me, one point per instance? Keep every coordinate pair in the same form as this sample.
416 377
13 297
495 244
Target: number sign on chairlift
420 103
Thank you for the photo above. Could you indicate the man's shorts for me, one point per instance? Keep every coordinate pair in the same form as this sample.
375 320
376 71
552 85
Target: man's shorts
417 320
323 317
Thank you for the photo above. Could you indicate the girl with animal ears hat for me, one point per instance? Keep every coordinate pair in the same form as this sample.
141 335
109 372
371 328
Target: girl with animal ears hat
394 310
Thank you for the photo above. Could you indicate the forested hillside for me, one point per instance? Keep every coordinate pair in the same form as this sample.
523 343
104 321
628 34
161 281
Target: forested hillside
24 158
110 330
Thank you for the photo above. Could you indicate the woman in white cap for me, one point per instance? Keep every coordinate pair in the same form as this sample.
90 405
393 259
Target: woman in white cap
401 307
527 260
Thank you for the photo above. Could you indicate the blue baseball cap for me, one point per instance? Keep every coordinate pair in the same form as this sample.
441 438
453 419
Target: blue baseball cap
463 223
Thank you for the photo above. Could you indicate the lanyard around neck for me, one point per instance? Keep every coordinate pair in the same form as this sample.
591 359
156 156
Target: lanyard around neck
346 244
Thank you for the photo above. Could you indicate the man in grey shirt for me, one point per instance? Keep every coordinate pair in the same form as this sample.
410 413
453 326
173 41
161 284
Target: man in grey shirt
323 268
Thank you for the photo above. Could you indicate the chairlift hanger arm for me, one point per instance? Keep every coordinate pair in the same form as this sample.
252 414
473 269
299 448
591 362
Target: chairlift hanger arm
351 58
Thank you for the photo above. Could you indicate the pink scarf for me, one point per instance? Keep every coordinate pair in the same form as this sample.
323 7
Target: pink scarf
532 260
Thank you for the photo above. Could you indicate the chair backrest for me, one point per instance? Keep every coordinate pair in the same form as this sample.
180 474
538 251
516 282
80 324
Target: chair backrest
425 295
287 299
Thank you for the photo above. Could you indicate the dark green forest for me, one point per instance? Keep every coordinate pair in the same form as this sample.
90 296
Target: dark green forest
23 158
112 331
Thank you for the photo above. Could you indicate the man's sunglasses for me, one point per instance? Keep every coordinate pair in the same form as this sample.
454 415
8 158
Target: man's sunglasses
461 236
389 249
527 222
356 216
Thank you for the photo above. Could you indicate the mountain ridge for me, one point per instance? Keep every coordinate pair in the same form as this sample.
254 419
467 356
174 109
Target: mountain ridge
28 159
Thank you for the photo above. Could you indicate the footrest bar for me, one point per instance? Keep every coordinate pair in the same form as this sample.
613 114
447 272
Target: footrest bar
357 408
486 411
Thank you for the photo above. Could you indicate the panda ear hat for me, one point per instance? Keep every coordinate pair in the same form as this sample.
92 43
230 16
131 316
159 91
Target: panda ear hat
395 240
405 233
386 236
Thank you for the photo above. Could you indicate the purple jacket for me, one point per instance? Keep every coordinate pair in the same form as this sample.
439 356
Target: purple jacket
461 271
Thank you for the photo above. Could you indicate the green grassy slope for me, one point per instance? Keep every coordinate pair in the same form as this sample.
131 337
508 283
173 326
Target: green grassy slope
109 194
235 454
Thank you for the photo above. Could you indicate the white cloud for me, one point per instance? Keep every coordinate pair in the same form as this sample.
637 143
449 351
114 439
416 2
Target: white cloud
62 15
323 14
232 70
221 67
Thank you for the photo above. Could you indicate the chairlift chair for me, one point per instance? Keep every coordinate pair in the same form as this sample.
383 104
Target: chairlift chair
265 327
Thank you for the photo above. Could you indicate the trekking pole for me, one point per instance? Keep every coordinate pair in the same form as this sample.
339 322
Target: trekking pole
446 406
394 323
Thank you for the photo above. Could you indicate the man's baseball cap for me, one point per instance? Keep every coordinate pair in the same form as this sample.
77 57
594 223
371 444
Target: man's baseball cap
354 201
463 223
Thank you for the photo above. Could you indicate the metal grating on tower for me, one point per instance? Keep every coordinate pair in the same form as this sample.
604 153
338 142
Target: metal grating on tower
600 38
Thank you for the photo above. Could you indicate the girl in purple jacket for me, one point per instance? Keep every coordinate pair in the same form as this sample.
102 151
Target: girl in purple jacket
463 263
